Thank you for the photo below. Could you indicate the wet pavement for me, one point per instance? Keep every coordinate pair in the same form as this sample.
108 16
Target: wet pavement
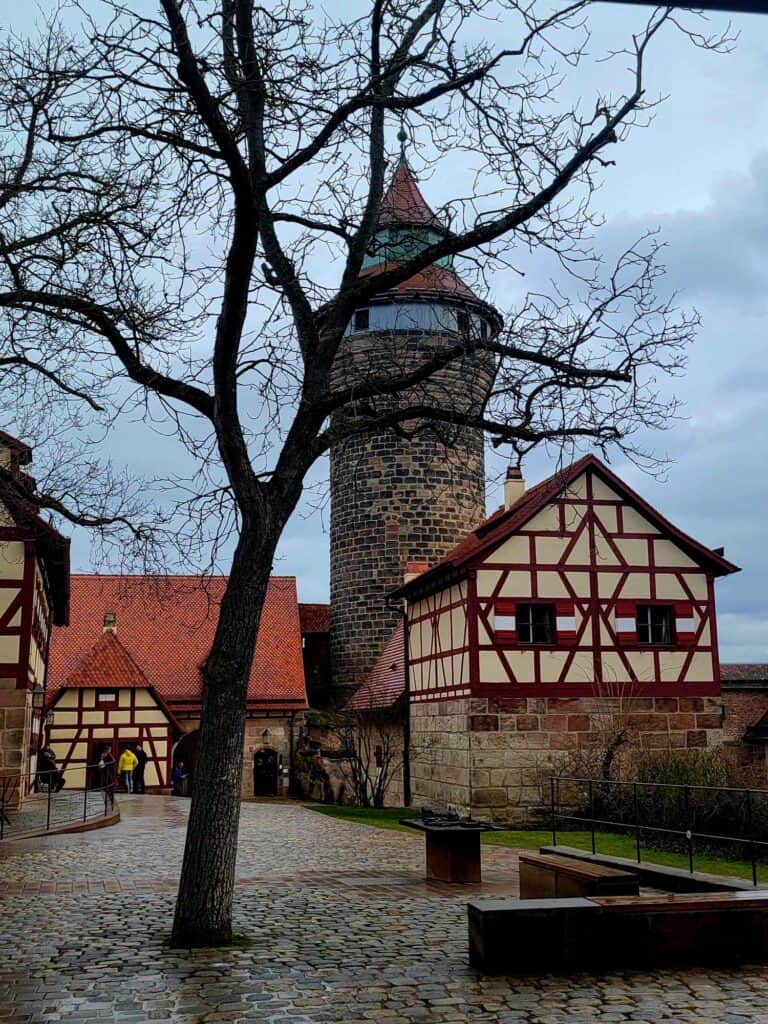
342 927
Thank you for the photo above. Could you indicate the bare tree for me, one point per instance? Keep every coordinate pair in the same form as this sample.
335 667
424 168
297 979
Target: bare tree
370 750
174 189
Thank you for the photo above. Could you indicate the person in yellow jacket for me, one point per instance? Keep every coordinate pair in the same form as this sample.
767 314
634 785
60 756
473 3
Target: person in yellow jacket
125 766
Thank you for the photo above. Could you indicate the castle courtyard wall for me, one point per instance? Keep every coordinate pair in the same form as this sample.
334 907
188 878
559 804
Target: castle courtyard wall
493 757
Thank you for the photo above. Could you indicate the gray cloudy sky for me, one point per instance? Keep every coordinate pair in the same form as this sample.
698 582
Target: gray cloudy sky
699 173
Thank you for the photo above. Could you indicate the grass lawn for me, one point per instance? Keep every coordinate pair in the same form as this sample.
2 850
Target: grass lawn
606 842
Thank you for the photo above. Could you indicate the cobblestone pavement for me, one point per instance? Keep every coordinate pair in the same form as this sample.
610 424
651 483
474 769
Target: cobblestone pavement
343 929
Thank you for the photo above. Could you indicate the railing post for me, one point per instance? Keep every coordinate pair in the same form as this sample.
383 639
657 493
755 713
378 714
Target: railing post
637 820
552 805
3 807
751 835
592 815
50 786
85 795
688 827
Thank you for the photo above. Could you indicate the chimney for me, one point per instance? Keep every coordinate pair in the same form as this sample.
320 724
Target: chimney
514 486
414 569
110 622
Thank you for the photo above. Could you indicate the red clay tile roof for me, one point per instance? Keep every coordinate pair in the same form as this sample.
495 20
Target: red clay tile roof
107 664
387 679
315 618
403 203
167 625
505 522
435 278
744 672
21 451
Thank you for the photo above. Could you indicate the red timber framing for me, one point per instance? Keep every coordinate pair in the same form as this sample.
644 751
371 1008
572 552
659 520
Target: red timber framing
593 551
85 733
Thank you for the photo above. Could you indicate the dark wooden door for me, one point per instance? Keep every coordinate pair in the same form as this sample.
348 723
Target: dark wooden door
265 772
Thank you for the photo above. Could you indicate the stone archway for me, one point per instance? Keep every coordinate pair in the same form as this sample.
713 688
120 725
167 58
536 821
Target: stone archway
186 751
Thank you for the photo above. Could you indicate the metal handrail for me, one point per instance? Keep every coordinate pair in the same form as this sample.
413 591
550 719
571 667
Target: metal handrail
632 822
15 789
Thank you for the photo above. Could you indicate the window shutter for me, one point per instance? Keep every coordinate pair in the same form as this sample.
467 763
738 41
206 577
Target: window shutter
625 622
565 623
505 621
685 624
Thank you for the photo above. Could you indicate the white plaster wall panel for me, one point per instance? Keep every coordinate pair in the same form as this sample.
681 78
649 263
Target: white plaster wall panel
12 560
578 489
701 669
667 553
487 580
637 587
516 584
514 549
65 717
580 583
9 649
604 552
636 523
614 670
547 519
602 491
124 698
634 551
522 664
670 665
550 550
491 668
552 664
551 585
606 516
582 669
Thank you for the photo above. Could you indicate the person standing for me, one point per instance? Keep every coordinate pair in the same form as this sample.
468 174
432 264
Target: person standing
125 767
106 769
138 771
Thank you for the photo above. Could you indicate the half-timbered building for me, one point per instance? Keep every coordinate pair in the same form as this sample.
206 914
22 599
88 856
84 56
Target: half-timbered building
577 595
128 670
34 595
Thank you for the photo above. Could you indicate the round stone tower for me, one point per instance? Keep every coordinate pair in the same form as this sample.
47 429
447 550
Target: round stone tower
407 494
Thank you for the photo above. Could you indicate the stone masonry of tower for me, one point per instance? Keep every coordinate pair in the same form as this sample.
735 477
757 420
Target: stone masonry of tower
397 499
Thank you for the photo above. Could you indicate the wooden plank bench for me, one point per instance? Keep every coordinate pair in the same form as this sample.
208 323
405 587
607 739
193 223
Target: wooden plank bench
525 937
547 876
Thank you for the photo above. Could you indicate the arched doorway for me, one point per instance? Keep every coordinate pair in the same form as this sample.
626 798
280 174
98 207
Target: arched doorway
265 768
186 751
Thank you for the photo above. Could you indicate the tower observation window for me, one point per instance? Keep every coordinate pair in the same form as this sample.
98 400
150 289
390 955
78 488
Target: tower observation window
362 319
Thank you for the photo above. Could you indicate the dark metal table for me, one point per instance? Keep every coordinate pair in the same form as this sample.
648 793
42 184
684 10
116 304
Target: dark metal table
453 851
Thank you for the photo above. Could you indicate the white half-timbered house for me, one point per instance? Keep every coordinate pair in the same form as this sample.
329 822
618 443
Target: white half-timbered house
576 591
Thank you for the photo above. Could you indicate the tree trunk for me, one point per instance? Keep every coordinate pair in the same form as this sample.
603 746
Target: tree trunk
204 906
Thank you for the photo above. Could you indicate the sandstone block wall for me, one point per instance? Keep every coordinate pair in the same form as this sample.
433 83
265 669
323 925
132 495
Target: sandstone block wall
396 499
279 740
15 730
509 748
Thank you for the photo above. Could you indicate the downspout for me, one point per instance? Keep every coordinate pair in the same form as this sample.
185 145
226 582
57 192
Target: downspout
402 611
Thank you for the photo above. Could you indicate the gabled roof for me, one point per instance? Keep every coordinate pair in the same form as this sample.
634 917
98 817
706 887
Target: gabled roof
506 522
167 624
315 618
386 682
403 202
106 664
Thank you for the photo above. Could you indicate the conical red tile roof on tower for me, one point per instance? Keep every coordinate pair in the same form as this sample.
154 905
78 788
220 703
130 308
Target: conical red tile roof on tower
403 203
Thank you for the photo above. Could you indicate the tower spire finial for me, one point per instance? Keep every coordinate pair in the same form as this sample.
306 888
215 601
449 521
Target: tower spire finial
402 137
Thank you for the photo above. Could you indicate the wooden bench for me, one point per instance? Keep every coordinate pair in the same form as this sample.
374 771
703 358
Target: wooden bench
547 876
525 937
